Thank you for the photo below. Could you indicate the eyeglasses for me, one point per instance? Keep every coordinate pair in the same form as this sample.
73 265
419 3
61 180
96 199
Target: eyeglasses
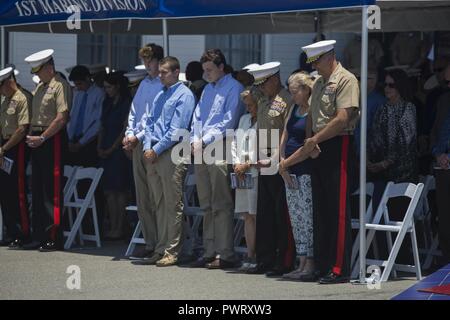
389 84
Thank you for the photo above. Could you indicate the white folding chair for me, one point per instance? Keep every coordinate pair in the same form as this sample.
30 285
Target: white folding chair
392 190
79 206
136 238
193 215
69 174
355 226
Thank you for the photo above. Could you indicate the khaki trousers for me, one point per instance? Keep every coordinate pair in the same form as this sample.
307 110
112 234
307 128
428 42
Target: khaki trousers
215 198
170 176
148 196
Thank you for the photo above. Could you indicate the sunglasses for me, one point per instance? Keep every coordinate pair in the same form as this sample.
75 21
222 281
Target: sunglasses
389 84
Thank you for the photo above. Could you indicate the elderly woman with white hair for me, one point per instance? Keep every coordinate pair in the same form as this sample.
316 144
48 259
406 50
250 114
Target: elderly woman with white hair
295 169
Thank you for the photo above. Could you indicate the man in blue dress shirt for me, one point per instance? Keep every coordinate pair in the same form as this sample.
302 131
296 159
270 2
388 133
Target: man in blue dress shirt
85 115
143 171
219 109
171 114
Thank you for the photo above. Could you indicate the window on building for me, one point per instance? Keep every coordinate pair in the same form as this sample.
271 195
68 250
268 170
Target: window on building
239 49
93 49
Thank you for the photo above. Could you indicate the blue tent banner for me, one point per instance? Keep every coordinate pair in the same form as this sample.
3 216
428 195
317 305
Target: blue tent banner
19 12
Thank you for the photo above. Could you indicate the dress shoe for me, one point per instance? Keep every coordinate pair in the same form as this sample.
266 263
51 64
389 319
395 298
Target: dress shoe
247 264
167 260
277 272
293 275
49 246
141 254
148 261
260 268
17 244
309 277
220 264
6 242
200 263
33 245
332 278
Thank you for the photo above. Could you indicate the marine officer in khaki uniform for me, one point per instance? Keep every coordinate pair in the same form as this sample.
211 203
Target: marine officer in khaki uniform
275 251
14 121
47 138
334 112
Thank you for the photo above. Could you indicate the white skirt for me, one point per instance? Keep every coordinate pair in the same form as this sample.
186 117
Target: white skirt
247 199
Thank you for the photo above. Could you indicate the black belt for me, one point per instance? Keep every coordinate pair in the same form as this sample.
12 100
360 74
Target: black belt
37 128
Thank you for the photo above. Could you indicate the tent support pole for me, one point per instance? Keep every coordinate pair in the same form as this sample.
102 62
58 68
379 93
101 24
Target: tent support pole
363 144
165 37
3 45
109 47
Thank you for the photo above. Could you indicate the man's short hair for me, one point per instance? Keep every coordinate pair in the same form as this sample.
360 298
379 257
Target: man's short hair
150 51
79 73
215 56
172 62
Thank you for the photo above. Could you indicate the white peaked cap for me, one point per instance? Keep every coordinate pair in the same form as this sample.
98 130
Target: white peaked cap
6 73
135 76
36 60
263 72
316 50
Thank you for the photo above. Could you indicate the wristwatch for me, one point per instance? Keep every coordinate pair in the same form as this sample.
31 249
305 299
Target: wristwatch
42 138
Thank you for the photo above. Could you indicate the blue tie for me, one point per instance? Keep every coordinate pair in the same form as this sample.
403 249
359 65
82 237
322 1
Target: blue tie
80 119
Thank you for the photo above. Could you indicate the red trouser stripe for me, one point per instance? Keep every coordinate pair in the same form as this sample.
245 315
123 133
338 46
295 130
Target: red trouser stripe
342 207
21 184
56 183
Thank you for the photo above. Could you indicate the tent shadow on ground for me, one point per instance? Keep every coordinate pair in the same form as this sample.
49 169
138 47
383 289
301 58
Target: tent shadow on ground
114 249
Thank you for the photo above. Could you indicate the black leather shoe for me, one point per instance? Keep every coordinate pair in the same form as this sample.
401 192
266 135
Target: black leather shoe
220 264
200 263
6 242
141 254
333 278
309 277
34 245
277 272
260 268
49 246
17 244
149 260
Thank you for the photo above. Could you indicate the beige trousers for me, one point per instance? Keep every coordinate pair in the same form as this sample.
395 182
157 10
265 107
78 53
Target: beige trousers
148 196
214 192
170 178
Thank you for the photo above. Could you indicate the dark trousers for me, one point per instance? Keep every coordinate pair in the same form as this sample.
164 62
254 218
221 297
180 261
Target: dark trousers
443 208
47 188
274 241
85 157
13 195
332 183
